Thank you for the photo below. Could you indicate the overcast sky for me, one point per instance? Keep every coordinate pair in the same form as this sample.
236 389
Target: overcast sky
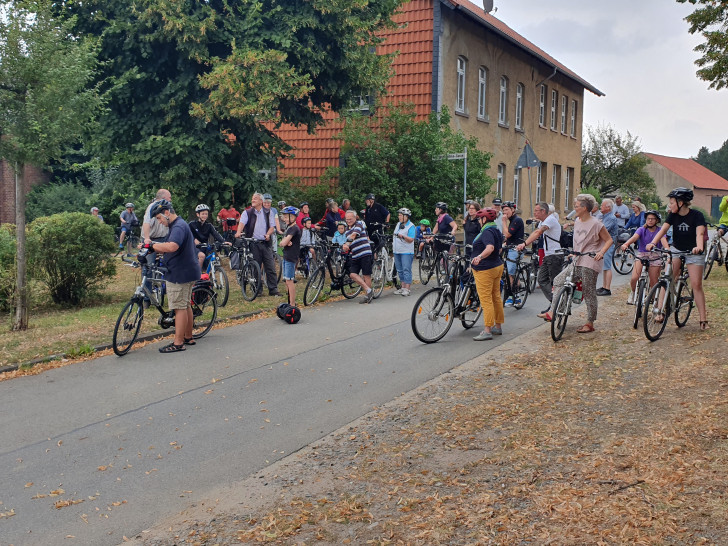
640 54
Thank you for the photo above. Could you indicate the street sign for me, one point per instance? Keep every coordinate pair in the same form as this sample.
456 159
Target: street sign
457 156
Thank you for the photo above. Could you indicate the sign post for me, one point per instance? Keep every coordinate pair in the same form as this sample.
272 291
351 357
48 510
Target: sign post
456 157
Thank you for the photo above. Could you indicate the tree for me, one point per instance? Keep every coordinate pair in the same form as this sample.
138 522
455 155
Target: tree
716 161
711 20
46 103
401 160
191 84
611 162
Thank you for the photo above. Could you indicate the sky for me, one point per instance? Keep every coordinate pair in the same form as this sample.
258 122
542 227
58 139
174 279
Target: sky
640 54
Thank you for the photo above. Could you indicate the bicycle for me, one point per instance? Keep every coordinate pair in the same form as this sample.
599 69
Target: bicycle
518 289
426 265
215 271
131 243
337 265
642 289
567 295
246 268
435 310
203 302
623 261
533 271
668 294
714 252
383 269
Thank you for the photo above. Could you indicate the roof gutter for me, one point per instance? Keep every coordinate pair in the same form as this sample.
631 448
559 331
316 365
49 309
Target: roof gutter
539 84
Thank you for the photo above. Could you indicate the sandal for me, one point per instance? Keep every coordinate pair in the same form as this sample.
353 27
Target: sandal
585 329
704 325
659 317
546 316
190 341
172 348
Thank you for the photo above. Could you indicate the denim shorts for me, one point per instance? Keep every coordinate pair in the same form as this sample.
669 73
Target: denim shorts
512 262
608 259
692 259
289 270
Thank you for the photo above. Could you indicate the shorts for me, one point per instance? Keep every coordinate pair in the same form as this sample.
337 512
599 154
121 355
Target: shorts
654 257
512 262
125 229
289 270
692 259
179 294
362 265
608 259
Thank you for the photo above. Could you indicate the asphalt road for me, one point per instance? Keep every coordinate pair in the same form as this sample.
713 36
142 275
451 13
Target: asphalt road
121 443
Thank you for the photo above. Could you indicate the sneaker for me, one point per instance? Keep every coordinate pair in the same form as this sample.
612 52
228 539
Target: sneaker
630 299
368 297
516 302
121 247
483 336
398 291
405 292
496 331
604 292
509 302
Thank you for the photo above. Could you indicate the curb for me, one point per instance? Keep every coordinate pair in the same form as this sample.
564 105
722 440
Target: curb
144 337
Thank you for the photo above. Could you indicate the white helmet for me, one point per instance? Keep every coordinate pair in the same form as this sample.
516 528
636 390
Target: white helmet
407 212
201 207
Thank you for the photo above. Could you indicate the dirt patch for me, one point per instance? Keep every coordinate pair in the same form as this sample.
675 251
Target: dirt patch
602 438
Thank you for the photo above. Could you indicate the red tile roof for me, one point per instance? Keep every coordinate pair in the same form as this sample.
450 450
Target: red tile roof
692 171
477 13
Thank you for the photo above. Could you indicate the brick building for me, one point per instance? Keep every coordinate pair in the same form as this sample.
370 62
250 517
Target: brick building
33 177
499 86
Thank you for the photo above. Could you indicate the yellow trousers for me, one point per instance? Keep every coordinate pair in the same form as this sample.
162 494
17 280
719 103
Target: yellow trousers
487 283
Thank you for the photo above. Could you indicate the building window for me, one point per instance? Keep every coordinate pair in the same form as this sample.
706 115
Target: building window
499 180
519 106
460 104
572 131
554 108
503 110
567 186
482 88
554 181
516 185
564 108
539 181
363 103
542 106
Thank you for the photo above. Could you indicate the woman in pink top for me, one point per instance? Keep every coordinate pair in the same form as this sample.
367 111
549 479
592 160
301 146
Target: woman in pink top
590 235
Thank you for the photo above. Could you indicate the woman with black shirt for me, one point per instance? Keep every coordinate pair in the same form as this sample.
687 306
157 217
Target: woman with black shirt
487 269
471 226
688 235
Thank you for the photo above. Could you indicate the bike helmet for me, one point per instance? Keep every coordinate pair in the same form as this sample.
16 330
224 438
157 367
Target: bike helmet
683 194
290 210
304 204
341 223
281 204
407 212
488 213
201 207
267 197
442 206
370 196
305 219
509 204
424 222
129 206
655 214
159 206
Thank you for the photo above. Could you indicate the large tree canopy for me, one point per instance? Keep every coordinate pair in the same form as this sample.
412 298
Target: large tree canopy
192 83
711 20
611 162
716 161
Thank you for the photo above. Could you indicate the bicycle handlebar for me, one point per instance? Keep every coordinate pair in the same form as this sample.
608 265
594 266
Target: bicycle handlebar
677 253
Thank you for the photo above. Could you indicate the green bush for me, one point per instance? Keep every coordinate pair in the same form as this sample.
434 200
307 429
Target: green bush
71 253
7 266
53 198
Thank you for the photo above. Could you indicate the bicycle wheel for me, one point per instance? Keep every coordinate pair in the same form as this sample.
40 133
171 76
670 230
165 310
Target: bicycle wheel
639 300
685 303
127 326
249 279
520 291
279 266
655 313
561 313
222 286
433 315
426 265
379 276
442 272
710 255
314 286
349 288
623 262
469 317
532 278
204 310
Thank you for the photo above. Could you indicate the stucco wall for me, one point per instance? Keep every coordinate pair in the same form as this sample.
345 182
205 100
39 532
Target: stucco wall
666 180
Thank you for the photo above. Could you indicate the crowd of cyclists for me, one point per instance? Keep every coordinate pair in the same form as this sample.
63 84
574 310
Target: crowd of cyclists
494 239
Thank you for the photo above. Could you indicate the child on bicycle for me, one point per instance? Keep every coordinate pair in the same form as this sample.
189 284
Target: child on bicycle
202 230
420 231
307 252
643 236
291 244
339 237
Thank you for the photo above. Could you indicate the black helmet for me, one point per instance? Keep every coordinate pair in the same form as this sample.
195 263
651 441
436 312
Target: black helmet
370 196
303 204
683 194
509 204
442 206
655 214
159 206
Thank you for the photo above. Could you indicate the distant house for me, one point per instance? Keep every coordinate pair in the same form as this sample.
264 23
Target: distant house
499 87
673 172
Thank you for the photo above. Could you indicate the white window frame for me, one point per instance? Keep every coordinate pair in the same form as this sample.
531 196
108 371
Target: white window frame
554 107
482 90
542 106
519 106
499 179
553 184
566 188
573 118
564 111
503 101
516 185
539 175
462 65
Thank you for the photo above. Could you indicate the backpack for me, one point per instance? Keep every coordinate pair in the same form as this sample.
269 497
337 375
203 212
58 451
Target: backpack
234 260
566 239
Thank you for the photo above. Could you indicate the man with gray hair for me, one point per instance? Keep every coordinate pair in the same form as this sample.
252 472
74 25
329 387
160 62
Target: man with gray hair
621 212
610 223
259 223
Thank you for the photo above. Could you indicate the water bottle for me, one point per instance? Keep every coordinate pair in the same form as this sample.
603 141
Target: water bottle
578 296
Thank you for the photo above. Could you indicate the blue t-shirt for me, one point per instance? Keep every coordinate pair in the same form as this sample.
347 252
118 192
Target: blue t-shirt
182 263
489 236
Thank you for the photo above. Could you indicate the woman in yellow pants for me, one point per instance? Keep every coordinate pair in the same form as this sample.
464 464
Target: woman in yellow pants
487 269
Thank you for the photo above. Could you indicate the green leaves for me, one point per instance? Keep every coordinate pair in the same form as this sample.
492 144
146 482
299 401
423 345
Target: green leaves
711 20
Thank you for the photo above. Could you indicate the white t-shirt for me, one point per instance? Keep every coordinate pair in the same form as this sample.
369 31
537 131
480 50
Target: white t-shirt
551 236
156 229
623 211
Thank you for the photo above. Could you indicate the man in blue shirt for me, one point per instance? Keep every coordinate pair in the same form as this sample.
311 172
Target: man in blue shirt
180 258
610 222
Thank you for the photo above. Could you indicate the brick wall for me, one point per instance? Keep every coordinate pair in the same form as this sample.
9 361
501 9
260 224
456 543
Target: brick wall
33 177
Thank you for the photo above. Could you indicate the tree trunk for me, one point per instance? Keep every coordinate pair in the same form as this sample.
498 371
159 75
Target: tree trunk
20 321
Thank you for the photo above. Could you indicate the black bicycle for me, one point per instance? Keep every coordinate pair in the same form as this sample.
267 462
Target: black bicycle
435 310
153 288
337 264
518 288
246 268
130 246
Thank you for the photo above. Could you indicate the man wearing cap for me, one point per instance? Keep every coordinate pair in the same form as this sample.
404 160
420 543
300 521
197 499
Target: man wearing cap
375 213
259 223
183 270
268 207
497 204
95 212
128 220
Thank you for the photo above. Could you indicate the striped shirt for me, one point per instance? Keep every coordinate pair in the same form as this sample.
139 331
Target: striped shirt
360 246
